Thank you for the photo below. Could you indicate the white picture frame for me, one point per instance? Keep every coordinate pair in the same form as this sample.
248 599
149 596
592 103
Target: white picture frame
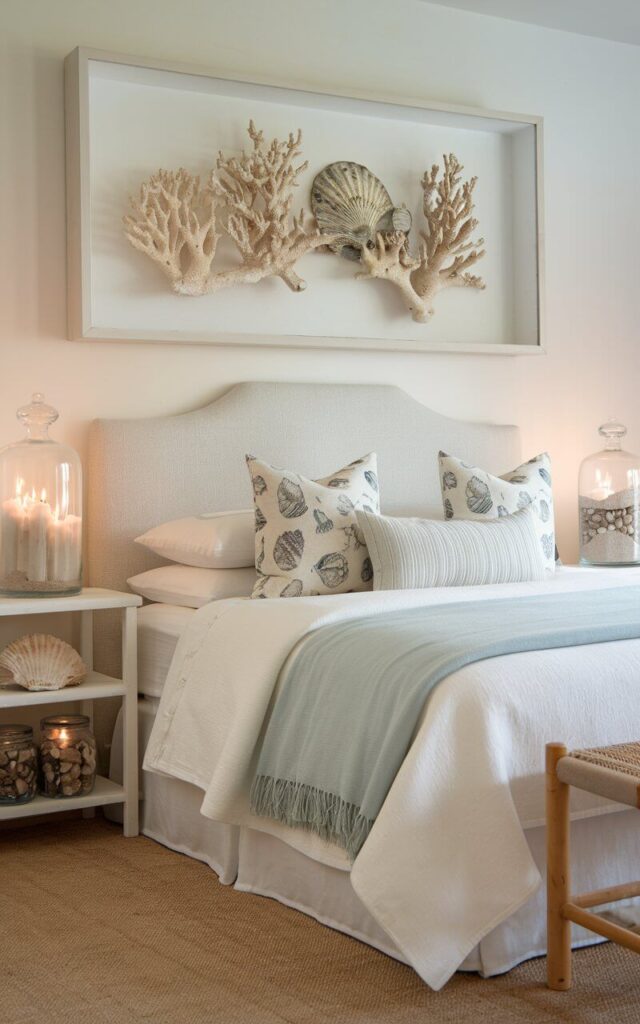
98 310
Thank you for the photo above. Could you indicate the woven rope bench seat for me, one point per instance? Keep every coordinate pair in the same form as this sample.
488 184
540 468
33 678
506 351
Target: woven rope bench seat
612 772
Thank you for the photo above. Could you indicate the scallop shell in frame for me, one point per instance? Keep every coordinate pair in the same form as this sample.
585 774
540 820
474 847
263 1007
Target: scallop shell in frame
349 202
41 662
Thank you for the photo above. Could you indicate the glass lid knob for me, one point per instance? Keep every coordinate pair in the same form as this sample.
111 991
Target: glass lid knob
613 431
37 416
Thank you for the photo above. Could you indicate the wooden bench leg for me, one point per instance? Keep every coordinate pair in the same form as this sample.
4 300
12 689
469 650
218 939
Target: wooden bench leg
558 877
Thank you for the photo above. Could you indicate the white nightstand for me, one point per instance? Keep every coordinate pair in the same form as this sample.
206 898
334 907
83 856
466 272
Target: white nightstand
95 687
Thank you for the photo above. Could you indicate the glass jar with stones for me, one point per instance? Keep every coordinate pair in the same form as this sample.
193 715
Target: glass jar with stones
609 490
67 756
18 764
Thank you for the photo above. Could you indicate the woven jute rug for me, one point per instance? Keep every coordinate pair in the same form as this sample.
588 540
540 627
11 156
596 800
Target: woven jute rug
97 929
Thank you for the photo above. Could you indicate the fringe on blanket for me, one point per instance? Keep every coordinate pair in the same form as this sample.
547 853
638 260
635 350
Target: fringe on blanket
301 806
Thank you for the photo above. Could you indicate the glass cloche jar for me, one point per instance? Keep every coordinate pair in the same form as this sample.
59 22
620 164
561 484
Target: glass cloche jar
40 510
609 500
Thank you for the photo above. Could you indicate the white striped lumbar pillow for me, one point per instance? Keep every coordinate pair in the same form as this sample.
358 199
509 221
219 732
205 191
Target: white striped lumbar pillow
408 554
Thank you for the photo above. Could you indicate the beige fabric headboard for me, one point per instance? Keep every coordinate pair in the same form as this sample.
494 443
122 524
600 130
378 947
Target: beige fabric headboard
146 471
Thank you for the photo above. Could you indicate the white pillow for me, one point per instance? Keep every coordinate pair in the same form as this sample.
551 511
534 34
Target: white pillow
214 540
307 538
192 587
414 554
471 493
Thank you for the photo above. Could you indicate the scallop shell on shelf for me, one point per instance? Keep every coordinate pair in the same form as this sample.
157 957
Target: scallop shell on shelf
349 201
41 662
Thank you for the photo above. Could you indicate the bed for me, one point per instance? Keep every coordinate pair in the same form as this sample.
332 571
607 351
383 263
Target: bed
146 471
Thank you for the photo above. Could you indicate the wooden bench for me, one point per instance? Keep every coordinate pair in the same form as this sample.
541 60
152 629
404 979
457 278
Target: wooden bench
612 772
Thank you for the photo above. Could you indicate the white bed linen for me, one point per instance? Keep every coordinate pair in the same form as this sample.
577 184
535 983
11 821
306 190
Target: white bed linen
170 809
261 864
159 628
472 778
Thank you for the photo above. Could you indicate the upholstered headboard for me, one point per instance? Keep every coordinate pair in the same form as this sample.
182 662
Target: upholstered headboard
146 471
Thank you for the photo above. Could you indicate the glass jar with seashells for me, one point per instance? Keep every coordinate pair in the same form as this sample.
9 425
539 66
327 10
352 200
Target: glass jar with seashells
67 756
18 764
40 510
609 498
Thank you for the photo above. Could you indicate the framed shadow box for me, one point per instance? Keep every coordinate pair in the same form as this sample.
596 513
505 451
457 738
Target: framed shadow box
366 157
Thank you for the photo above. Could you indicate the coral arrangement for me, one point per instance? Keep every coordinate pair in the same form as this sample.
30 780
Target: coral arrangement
178 222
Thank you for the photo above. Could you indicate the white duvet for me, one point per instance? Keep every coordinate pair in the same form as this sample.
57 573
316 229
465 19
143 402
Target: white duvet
447 859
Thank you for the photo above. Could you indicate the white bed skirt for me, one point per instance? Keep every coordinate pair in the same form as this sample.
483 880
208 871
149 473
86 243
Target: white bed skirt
606 851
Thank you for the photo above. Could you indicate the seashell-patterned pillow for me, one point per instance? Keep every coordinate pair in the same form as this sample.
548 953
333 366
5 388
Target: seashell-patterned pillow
470 493
307 538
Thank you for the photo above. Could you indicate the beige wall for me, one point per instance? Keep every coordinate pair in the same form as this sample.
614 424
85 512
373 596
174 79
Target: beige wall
586 90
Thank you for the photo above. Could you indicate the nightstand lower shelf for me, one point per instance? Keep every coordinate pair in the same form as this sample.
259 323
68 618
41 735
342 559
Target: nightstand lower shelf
104 792
96 687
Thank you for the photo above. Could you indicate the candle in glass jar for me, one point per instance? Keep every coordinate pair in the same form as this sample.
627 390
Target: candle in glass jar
68 756
40 509
44 544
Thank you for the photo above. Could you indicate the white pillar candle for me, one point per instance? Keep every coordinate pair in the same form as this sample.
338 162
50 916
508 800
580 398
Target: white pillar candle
23 541
10 526
63 548
39 516
56 543
74 548
13 533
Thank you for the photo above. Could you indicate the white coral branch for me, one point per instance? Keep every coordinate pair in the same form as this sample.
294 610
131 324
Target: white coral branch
175 221
390 261
257 191
446 251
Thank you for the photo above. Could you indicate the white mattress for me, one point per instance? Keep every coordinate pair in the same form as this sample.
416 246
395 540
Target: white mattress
159 628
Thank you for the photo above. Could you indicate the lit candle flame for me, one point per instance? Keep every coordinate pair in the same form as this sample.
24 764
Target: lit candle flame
63 735
19 487
43 494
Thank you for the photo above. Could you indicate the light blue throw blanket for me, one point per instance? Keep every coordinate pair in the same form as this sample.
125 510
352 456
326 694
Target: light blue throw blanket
351 696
